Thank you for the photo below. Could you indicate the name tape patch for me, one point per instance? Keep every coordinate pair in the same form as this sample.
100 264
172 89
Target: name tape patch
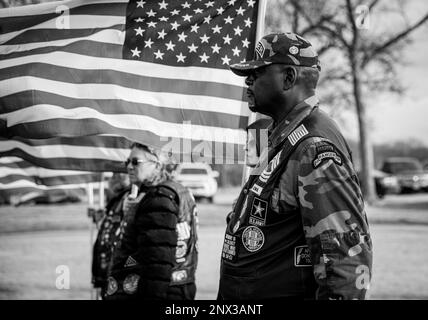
326 152
229 247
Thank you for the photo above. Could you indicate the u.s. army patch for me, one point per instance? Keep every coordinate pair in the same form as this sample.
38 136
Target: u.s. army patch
326 152
258 212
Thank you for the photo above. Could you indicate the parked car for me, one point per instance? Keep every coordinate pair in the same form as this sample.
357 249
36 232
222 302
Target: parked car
409 173
385 184
199 178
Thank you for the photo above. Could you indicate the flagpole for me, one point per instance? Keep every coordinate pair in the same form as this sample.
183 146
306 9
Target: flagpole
90 194
261 13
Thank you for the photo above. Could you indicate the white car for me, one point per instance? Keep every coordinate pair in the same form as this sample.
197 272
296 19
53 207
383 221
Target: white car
199 178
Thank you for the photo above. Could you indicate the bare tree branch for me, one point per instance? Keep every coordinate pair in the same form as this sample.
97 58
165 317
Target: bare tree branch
400 36
355 33
373 4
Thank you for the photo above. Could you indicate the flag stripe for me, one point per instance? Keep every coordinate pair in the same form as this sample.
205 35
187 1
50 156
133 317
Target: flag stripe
147 69
20 168
87 164
90 6
25 186
106 35
110 107
21 23
50 181
112 91
106 153
135 127
50 30
78 76
54 151
47 35
100 141
82 47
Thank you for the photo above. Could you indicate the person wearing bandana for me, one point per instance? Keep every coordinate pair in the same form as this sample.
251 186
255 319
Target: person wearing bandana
299 228
156 255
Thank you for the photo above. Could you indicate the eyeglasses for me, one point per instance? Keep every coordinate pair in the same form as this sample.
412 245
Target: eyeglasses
135 161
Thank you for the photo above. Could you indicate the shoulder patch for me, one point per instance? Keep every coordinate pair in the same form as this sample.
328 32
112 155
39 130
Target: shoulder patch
326 152
168 192
297 134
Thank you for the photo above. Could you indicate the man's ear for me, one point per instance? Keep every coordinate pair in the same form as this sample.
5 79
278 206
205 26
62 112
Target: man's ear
290 77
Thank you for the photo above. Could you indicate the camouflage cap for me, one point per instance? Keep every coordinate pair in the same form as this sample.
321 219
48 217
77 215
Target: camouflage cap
284 48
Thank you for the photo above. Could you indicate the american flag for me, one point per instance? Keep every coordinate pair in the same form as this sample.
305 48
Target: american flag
151 71
19 177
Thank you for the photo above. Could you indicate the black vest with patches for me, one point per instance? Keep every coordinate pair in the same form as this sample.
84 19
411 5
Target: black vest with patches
187 248
265 254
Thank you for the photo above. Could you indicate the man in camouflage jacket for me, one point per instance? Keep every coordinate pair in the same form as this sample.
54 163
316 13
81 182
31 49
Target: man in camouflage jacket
299 228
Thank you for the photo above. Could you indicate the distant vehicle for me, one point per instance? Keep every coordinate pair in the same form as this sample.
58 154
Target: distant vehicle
409 173
385 184
199 178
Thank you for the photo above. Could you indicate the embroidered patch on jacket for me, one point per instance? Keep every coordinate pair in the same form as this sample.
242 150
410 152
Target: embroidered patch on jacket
130 284
256 189
297 134
258 212
253 238
270 168
178 276
130 262
229 247
302 256
180 250
183 230
326 152
111 286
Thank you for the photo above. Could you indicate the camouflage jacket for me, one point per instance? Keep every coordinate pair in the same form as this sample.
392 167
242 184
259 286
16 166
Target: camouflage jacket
300 224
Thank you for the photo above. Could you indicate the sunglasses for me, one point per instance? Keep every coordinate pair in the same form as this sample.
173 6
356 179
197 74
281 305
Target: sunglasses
135 161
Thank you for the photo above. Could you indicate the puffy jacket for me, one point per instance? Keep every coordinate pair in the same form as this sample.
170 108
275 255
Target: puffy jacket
158 249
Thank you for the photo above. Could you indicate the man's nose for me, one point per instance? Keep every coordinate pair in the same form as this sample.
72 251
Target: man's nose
249 80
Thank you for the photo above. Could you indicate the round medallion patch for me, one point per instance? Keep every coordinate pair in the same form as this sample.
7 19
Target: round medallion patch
293 50
130 284
111 286
181 249
253 238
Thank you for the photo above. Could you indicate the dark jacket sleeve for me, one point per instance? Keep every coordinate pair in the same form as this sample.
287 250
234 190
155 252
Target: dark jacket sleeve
155 227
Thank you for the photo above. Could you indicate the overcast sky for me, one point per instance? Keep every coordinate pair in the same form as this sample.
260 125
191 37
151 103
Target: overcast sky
403 118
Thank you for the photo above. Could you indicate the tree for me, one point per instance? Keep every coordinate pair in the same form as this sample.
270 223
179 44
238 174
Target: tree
362 59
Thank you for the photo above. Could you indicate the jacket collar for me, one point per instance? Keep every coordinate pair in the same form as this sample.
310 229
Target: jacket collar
283 129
